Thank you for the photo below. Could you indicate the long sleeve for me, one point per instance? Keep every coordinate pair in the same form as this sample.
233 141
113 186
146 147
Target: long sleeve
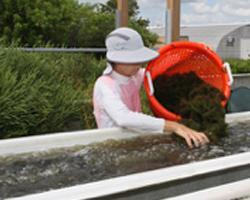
124 117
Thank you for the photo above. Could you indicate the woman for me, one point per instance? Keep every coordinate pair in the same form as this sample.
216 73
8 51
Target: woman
116 93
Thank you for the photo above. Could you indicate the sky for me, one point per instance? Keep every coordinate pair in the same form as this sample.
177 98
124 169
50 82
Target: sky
195 12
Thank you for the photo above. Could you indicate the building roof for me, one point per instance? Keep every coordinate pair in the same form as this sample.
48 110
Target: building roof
210 34
222 27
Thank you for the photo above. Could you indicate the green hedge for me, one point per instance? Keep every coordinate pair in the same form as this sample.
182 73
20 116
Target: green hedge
45 92
239 65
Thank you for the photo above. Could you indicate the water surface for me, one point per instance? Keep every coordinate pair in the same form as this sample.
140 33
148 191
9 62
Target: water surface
36 172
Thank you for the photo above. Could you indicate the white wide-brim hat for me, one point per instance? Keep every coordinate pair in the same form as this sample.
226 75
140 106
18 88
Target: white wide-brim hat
133 56
125 45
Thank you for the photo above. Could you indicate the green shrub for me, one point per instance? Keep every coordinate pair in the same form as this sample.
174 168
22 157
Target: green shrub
44 93
239 65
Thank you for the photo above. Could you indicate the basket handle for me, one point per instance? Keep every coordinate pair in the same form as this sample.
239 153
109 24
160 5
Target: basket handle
150 83
229 72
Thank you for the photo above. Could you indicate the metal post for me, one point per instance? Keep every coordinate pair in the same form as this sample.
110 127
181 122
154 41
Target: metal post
173 17
122 13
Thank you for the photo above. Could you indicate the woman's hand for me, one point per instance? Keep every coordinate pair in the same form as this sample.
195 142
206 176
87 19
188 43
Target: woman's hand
191 136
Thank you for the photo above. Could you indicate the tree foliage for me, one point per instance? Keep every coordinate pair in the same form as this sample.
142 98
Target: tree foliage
135 22
92 27
63 23
111 5
36 22
140 25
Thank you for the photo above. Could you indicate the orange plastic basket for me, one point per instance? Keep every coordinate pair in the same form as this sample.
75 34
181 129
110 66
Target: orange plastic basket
183 57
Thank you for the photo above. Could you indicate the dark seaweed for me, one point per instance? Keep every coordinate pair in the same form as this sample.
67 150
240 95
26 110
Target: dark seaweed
198 103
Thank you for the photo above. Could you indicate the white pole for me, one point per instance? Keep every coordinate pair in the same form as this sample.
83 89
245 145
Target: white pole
117 18
168 26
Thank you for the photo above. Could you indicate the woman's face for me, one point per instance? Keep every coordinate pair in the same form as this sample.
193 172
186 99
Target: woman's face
127 69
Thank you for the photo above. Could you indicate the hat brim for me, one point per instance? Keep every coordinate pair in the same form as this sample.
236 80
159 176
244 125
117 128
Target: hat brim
137 56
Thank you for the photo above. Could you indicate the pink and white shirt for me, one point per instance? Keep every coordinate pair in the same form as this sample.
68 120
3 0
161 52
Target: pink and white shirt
117 103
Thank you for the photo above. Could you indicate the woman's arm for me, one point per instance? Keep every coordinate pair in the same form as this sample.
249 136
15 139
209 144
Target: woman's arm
140 122
191 136
123 117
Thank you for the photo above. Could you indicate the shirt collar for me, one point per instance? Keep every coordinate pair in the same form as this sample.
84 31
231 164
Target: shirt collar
119 77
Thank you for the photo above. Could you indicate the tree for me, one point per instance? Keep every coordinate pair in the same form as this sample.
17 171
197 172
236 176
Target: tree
92 27
135 22
111 5
63 23
35 22
140 25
